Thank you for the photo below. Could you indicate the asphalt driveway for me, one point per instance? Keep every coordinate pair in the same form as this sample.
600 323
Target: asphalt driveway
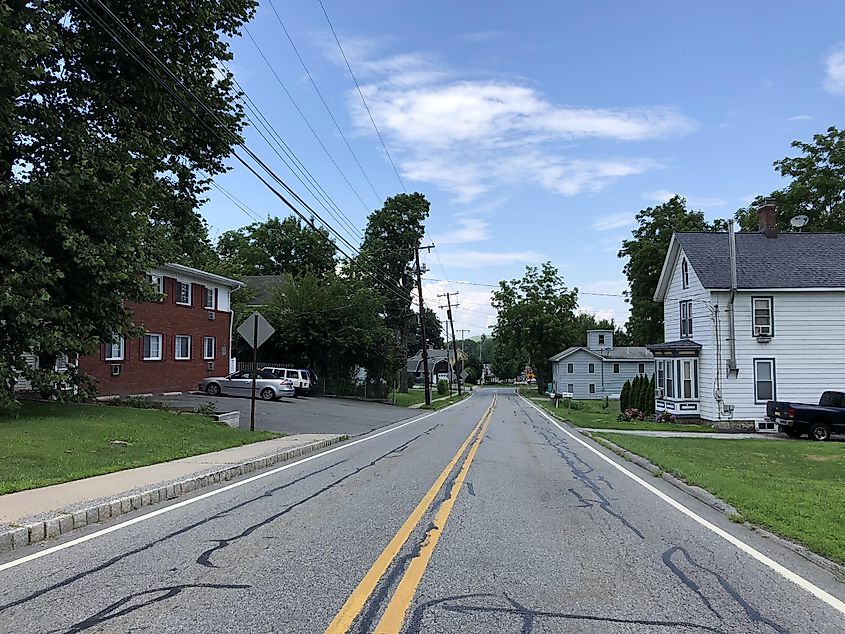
302 415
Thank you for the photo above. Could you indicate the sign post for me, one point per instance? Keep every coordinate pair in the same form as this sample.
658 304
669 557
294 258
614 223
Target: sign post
255 330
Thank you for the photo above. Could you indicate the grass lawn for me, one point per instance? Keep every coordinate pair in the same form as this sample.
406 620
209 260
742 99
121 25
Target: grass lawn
445 402
51 443
793 488
592 414
413 397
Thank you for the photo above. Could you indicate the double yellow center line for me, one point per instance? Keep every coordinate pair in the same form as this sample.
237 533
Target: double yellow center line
393 617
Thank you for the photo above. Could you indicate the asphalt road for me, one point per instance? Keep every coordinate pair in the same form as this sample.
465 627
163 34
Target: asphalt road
303 415
528 530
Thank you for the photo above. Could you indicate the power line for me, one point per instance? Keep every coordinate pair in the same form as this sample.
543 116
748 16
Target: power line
233 137
305 119
322 99
361 94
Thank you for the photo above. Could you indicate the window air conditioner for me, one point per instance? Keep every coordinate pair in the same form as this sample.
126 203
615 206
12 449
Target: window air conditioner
115 369
762 331
212 315
210 365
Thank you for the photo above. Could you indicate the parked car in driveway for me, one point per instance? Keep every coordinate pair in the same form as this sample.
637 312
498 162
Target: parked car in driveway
301 379
817 421
267 385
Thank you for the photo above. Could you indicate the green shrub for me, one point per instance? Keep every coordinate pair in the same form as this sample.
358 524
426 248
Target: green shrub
442 387
625 396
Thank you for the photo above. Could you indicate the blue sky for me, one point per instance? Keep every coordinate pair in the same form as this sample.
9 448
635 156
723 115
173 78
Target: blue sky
537 129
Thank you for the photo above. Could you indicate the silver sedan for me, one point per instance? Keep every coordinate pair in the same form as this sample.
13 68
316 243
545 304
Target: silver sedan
267 386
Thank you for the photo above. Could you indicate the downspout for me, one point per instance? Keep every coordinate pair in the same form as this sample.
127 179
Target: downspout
732 367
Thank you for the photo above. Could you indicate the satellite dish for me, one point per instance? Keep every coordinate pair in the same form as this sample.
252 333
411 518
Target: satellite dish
799 221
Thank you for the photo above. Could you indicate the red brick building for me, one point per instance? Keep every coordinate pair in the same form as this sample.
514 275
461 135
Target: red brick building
189 336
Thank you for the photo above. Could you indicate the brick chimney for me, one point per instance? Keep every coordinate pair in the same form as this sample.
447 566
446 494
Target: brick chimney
767 218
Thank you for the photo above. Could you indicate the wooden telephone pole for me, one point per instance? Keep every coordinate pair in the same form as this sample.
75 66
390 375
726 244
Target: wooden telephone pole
448 308
427 379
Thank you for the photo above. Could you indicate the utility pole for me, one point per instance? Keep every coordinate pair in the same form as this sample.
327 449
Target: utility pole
462 331
448 308
448 363
427 379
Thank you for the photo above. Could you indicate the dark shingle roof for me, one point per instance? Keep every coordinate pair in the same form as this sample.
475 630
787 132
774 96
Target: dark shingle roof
622 353
263 287
680 344
792 260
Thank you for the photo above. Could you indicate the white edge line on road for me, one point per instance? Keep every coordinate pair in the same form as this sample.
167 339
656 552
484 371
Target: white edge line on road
798 580
167 509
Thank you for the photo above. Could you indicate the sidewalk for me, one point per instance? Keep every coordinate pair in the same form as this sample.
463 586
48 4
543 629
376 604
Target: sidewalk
686 434
30 516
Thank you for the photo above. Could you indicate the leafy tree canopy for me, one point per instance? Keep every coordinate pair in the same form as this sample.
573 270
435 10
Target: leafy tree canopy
817 188
536 315
100 168
275 247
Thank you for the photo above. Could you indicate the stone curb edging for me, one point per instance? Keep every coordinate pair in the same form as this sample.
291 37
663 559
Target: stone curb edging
32 533
702 495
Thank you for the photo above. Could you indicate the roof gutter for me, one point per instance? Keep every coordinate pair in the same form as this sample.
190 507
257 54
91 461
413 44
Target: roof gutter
732 367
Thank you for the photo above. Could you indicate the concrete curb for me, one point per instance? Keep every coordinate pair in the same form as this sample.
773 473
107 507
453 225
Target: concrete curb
702 495
18 536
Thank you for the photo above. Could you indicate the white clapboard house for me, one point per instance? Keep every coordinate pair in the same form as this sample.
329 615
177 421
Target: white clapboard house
750 317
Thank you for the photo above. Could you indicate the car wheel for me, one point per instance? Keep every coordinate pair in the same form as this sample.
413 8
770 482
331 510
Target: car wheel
212 389
819 431
268 394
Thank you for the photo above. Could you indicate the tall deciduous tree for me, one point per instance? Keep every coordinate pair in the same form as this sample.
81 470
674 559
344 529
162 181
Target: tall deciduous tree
278 246
392 234
646 250
331 323
506 362
817 188
536 314
433 332
99 164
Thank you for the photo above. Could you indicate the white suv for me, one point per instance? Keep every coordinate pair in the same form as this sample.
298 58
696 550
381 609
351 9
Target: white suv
301 379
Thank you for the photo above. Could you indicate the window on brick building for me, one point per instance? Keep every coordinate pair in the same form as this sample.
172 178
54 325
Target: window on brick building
208 298
183 292
115 350
183 347
152 347
208 347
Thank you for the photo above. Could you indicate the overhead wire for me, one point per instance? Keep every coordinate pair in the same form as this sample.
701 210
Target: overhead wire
323 100
233 137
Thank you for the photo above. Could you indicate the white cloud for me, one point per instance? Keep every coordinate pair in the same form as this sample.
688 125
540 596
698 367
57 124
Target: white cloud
600 313
468 136
613 221
475 311
662 195
477 37
469 230
801 117
834 80
477 259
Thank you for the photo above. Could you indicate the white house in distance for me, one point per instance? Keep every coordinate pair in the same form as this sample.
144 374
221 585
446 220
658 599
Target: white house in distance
598 370
749 317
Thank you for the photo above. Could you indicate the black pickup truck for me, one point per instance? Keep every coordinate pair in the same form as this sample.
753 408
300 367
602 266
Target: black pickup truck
817 421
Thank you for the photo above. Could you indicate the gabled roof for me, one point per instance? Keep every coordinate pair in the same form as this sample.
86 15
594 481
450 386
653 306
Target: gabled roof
622 353
414 363
792 260
203 275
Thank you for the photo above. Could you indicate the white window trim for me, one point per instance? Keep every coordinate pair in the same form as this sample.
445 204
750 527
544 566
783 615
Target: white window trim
160 346
121 343
686 329
772 366
208 292
641 368
176 354
601 340
570 368
591 368
591 388
158 284
684 274
179 292
771 310
570 388
616 368
205 341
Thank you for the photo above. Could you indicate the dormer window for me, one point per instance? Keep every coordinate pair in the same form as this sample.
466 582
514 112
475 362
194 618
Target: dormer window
601 340
684 273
